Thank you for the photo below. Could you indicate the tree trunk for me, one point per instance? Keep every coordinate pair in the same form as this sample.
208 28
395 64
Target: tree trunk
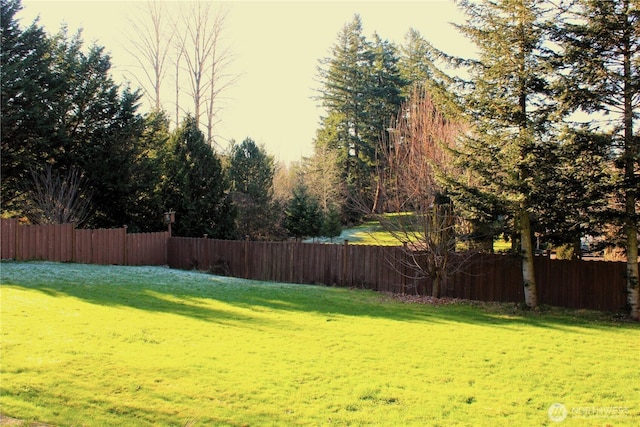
528 273
633 291
631 153
435 289
178 88
377 199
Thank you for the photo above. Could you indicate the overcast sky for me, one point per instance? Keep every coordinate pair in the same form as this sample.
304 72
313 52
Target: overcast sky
276 46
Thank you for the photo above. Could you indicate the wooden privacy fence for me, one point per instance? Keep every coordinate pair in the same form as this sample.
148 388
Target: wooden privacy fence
594 285
341 265
64 243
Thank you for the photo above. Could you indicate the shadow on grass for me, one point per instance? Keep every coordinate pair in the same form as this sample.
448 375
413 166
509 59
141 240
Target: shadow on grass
95 285
186 293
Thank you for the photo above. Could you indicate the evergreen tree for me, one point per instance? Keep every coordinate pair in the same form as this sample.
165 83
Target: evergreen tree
361 92
600 40
344 94
509 108
417 63
251 172
26 120
195 187
107 159
571 203
144 201
303 217
100 131
386 88
331 225
419 67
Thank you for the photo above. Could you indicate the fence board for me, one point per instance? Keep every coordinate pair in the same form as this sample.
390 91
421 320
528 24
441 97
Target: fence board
147 248
8 230
50 242
63 243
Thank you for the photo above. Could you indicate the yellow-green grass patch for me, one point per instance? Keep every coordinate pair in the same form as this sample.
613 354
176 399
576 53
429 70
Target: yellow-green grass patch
109 345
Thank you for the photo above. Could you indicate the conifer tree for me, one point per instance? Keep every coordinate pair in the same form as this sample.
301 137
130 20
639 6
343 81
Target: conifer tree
26 119
331 225
251 172
419 66
509 109
195 187
60 107
144 202
600 41
303 217
362 90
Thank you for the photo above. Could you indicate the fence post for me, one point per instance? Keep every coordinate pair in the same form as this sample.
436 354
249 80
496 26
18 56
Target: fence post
16 224
124 252
292 248
16 234
167 247
403 268
246 258
345 258
73 243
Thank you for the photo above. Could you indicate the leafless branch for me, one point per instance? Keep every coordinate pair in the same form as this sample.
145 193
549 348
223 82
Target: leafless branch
151 41
415 153
206 62
55 198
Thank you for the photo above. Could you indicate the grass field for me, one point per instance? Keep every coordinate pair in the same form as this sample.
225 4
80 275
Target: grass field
373 233
115 346
367 233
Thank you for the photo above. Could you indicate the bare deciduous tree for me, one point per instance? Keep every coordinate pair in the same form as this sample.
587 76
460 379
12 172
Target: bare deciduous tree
151 44
195 41
56 198
416 152
177 60
323 177
206 61
429 242
219 77
191 42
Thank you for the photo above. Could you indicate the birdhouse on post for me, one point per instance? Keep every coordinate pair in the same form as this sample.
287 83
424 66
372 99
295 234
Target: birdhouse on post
169 218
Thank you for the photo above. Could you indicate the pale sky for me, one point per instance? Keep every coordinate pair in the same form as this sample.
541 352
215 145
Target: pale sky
276 48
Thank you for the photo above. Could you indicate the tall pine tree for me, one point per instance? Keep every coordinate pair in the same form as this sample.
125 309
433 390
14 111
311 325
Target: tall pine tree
600 41
26 118
420 67
195 187
251 172
508 107
361 92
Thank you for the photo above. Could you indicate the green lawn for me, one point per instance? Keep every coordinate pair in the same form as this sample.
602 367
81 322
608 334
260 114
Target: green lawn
116 346
373 233
367 233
